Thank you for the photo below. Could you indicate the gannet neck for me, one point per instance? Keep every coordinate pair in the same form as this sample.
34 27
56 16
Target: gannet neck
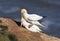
22 19
25 15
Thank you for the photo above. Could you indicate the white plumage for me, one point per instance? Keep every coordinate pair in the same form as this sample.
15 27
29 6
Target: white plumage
31 18
33 28
30 21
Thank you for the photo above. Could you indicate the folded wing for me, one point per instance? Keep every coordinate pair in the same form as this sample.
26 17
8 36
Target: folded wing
34 17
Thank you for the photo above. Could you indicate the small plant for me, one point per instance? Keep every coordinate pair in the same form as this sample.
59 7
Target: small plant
3 27
4 38
12 37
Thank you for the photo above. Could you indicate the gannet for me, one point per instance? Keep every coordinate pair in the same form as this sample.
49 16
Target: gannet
30 27
31 18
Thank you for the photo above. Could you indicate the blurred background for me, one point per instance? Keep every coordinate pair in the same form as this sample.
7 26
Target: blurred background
49 8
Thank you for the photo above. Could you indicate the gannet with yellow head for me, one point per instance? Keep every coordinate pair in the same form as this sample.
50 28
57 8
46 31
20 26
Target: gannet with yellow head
31 18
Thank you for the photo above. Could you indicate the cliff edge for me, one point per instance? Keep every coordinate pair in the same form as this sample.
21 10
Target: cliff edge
23 34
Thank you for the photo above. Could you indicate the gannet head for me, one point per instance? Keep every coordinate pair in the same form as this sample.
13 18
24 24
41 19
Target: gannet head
23 11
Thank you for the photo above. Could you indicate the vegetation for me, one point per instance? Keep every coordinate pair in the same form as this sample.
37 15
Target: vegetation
12 37
5 36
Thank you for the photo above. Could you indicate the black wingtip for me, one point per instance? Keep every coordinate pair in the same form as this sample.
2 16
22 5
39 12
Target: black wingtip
44 16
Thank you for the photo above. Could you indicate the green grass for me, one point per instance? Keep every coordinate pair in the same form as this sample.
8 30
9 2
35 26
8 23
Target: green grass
4 36
4 27
12 37
8 37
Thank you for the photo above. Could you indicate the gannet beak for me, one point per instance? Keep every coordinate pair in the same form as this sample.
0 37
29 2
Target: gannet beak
23 11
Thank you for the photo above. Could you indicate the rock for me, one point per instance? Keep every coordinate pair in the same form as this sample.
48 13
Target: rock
23 34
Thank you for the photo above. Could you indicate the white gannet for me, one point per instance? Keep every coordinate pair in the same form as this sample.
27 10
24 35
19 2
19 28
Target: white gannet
30 27
31 18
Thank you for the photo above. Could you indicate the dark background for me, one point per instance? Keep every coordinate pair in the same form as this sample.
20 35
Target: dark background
49 8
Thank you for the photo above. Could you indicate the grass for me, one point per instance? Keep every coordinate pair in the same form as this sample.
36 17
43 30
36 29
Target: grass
4 36
3 27
12 37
